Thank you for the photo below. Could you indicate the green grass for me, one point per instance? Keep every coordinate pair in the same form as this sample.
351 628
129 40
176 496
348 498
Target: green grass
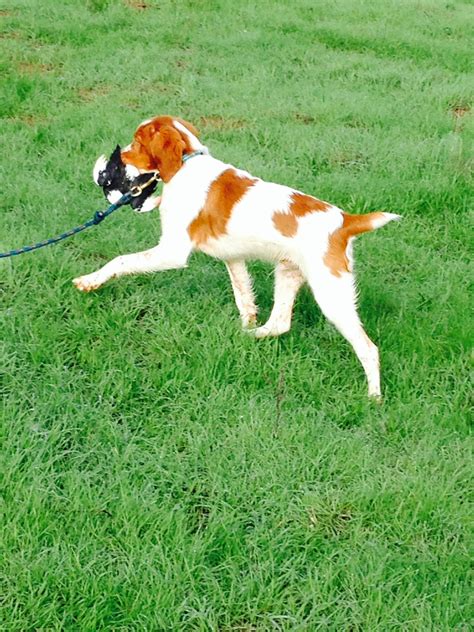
160 470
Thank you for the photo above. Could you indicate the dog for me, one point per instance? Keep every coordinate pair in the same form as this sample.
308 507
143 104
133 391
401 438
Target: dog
210 206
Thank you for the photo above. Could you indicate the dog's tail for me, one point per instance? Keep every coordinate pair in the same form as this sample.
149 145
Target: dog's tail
354 225
338 257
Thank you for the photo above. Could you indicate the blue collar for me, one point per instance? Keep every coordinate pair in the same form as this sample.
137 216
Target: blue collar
198 152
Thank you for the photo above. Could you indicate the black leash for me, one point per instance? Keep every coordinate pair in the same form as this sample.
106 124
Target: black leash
99 216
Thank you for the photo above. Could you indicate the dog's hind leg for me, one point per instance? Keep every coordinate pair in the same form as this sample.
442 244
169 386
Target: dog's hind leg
288 280
336 296
243 292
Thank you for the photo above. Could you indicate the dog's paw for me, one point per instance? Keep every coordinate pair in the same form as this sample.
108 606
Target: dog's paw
266 332
271 329
376 397
87 283
258 332
249 321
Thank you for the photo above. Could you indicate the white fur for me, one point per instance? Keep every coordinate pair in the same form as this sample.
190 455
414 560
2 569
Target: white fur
193 140
100 165
149 204
131 171
288 280
114 196
386 217
251 233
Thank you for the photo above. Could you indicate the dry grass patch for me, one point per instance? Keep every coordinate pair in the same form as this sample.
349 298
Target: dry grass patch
29 119
306 119
34 68
91 94
11 35
139 6
460 110
221 123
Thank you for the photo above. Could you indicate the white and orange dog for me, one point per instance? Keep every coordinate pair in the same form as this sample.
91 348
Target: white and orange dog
213 207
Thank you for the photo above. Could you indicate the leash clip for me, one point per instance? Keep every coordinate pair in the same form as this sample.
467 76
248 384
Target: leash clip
138 189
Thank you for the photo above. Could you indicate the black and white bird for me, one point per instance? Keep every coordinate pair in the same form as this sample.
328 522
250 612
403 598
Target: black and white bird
117 178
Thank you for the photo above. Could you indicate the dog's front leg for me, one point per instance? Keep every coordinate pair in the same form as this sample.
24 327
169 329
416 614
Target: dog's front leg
243 292
166 256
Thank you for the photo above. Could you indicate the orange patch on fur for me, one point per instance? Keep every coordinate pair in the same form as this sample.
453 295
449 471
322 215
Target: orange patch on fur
224 193
301 205
336 258
285 223
352 225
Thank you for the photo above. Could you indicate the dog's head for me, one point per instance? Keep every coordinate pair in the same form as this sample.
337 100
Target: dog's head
117 178
160 144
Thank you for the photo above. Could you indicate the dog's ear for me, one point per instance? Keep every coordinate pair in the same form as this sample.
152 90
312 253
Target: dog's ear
166 148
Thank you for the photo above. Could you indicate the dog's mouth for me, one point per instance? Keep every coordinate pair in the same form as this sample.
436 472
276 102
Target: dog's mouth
116 178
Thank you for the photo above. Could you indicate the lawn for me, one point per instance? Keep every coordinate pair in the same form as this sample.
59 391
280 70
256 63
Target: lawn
160 469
